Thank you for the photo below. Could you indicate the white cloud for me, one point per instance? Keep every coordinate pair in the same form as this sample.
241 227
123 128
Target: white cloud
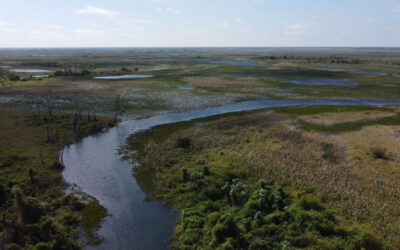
246 3
55 27
158 1
296 29
224 25
172 10
88 31
3 23
142 21
238 20
91 10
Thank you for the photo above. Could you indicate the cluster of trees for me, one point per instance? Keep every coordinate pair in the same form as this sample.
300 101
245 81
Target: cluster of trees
7 75
72 72
35 214
313 59
224 206
126 70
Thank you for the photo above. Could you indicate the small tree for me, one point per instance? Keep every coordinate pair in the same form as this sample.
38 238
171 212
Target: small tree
118 106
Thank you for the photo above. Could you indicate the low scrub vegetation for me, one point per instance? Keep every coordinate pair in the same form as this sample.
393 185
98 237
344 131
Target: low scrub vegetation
257 182
35 213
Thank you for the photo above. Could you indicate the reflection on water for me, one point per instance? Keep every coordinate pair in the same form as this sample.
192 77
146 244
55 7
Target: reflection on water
30 70
187 87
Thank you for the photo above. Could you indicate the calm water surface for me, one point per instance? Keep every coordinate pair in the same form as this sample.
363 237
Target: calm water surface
30 70
122 77
94 165
323 82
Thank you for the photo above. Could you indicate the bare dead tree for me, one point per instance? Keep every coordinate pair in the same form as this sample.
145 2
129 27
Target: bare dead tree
37 103
118 105
50 108
94 114
78 106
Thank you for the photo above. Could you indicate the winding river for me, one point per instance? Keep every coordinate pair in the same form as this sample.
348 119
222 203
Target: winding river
95 166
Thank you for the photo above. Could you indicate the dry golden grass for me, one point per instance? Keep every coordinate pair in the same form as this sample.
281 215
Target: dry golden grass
360 187
341 117
248 87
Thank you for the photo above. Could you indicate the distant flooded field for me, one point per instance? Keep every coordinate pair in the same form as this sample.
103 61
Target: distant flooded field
323 82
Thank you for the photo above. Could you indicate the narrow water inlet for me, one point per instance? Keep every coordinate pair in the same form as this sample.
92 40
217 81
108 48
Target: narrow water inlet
96 167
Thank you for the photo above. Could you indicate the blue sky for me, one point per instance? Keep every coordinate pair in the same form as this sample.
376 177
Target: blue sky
192 23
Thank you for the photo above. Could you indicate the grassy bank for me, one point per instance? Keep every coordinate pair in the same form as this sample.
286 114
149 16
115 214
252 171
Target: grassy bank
257 181
35 213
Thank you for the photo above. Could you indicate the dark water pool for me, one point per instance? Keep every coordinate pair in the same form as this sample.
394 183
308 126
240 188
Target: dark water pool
94 165
323 82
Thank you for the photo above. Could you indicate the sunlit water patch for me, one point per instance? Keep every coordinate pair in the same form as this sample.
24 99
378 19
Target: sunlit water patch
40 76
122 77
323 82
187 87
30 70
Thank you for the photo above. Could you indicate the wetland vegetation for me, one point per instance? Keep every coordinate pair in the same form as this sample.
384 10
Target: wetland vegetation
305 176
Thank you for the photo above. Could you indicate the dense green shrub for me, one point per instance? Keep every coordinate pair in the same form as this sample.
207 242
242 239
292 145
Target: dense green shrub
183 143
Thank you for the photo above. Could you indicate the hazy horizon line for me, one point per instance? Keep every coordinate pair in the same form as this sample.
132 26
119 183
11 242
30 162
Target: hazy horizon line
205 47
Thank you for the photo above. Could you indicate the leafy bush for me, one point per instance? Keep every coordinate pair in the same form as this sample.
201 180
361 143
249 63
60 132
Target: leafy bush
183 143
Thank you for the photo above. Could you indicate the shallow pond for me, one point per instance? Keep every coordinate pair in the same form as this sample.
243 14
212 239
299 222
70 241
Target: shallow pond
30 70
40 76
122 77
322 82
370 73
237 63
95 166
187 87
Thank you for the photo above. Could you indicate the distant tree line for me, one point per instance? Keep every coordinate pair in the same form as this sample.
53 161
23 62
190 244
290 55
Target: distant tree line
323 59
72 72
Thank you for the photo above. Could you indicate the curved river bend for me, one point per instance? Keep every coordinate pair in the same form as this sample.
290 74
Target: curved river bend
95 166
